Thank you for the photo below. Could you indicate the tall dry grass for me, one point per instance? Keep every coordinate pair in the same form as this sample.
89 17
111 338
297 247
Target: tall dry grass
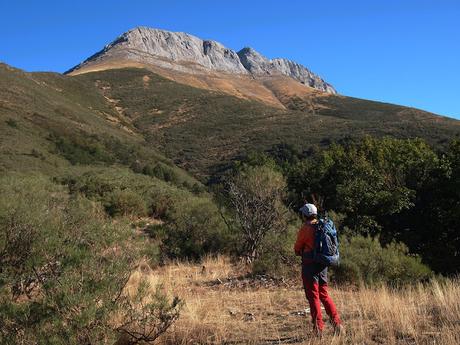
219 314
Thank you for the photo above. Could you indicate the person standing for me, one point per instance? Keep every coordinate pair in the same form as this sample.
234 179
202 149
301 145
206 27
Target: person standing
314 275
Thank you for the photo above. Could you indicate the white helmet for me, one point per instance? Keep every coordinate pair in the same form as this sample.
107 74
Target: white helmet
308 210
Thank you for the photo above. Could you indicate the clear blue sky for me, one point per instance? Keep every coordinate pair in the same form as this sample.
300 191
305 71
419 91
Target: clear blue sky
399 51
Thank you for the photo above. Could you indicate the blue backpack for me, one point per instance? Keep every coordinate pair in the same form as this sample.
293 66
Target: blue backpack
326 250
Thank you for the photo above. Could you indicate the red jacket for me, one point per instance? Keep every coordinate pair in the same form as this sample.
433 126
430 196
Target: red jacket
305 238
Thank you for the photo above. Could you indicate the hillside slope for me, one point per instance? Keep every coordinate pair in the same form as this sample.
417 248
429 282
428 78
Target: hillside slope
203 131
51 123
134 117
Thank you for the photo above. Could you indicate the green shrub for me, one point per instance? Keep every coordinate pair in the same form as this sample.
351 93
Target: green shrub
156 231
162 172
105 184
197 189
81 150
193 228
152 252
348 272
192 224
12 123
363 259
63 268
277 257
161 199
125 203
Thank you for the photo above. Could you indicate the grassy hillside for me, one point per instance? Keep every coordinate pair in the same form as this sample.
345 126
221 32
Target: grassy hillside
131 115
204 130
52 123
91 205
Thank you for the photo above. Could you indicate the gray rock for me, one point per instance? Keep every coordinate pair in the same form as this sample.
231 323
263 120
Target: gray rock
254 62
259 65
183 52
161 47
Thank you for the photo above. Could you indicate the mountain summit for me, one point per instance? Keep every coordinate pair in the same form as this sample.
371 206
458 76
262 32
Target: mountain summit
169 52
153 46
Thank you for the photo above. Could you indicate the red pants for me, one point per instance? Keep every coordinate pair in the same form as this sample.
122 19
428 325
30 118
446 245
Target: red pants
316 292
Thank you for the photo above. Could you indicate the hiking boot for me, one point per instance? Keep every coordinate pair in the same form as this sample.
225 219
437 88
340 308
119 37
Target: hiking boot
317 333
339 330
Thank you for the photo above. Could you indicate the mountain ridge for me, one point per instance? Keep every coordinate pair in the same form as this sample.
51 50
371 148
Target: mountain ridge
174 50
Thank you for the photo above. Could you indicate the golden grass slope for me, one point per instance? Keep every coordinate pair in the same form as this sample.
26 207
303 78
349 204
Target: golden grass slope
217 314
273 90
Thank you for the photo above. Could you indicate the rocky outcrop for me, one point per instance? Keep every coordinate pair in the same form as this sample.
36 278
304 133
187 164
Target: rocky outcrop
259 65
187 53
155 46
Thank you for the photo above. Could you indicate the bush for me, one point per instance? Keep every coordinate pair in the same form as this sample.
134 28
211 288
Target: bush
277 257
12 123
81 150
115 187
192 224
125 203
63 269
161 199
363 259
193 228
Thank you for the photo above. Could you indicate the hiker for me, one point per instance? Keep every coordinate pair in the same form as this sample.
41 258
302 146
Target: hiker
314 274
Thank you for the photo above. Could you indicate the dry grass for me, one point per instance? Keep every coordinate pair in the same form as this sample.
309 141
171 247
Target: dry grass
217 314
241 86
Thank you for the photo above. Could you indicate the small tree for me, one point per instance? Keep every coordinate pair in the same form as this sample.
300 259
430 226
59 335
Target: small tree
147 315
256 194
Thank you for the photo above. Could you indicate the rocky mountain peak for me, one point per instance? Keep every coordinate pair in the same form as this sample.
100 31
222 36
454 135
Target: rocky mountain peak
161 47
188 53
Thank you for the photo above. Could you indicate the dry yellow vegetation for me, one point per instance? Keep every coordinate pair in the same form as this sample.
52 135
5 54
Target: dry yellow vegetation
273 91
222 309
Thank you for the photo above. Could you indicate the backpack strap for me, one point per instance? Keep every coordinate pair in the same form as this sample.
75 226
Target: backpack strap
317 236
